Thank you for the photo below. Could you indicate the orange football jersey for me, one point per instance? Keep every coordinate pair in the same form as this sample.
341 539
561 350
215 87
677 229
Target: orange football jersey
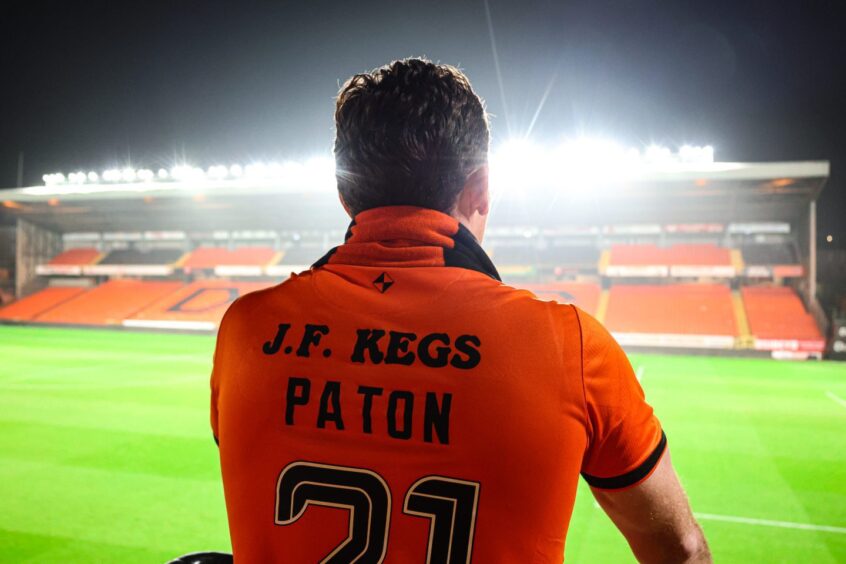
398 403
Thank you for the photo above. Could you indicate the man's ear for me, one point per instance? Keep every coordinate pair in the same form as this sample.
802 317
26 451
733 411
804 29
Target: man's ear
475 196
345 206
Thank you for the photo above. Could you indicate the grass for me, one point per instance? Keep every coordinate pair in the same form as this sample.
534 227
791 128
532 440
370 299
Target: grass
106 453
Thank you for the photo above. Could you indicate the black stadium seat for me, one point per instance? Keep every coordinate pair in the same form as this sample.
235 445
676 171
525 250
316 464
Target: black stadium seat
769 254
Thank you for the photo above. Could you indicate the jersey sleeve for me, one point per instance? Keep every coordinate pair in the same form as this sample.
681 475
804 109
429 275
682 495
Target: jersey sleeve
625 439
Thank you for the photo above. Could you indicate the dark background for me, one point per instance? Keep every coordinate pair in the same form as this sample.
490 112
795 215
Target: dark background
95 85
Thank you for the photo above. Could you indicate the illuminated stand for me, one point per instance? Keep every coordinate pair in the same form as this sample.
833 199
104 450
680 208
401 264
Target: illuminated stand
580 194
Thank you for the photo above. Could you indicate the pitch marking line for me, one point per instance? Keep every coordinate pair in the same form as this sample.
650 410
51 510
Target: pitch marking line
639 373
763 522
836 398
770 523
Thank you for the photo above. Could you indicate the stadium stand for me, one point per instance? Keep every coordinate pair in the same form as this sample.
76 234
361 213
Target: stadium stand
636 260
30 307
680 260
769 253
108 304
302 254
570 257
70 262
765 260
242 261
583 294
136 256
779 321
136 262
295 258
560 255
515 254
674 233
199 306
672 315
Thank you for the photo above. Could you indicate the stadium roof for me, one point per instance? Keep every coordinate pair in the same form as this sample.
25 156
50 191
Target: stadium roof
306 198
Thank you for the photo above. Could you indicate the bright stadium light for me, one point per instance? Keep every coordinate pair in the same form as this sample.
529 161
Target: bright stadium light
656 154
315 174
53 179
578 163
187 172
217 172
518 162
276 171
696 155
587 162
256 170
78 177
112 175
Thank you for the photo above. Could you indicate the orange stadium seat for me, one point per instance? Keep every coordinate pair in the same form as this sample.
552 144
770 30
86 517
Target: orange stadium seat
29 307
702 310
583 294
109 303
778 319
681 260
80 256
199 305
681 254
211 257
70 262
699 254
637 255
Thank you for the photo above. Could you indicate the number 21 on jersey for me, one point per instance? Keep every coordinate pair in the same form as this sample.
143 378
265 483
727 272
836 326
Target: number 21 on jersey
448 503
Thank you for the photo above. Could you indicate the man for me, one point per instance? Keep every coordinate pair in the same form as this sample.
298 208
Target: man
397 402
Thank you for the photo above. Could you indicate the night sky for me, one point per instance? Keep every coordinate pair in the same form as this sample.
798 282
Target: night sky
92 85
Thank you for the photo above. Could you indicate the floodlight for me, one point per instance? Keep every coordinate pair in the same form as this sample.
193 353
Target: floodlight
276 171
256 170
217 172
93 176
128 175
145 175
55 178
518 162
163 174
656 154
320 173
186 172
236 170
112 175
695 154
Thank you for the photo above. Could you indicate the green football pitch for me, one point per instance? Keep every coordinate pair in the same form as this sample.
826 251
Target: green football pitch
106 453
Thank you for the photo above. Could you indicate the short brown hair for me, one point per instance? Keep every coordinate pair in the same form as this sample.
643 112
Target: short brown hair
408 133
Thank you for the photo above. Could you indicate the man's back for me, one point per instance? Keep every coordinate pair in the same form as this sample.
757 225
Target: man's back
398 401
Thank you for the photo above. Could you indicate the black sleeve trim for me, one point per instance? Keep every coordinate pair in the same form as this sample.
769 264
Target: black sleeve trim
632 477
216 440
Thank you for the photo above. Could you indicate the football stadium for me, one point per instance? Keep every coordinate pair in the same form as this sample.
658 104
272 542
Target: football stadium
704 270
